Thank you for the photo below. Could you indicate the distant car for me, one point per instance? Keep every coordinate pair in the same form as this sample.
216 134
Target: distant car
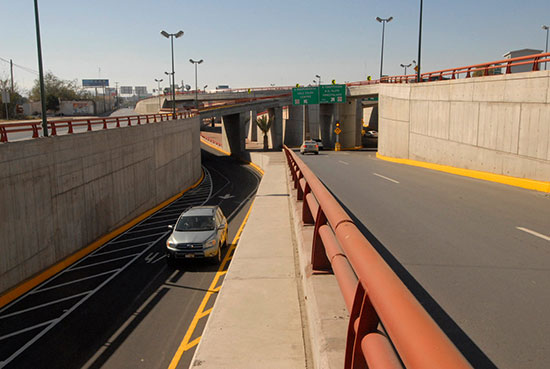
319 143
309 146
372 134
200 232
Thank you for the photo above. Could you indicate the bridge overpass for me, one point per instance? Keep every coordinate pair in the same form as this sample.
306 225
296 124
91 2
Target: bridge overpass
423 122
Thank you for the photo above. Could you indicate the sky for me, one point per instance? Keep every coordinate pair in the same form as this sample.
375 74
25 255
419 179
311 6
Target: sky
255 43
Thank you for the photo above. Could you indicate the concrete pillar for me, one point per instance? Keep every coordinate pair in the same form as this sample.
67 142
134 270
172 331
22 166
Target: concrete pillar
370 117
233 133
293 135
350 115
314 123
326 124
253 127
276 132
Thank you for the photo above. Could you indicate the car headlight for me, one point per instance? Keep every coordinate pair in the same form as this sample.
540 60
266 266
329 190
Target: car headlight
171 244
210 243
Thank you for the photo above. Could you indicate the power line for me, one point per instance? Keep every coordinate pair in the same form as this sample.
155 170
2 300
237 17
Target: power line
28 70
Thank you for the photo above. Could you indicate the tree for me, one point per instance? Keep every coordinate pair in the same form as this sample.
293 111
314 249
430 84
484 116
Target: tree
265 125
15 99
56 90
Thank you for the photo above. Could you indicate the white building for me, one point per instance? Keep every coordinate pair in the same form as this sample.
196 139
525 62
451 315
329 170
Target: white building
517 54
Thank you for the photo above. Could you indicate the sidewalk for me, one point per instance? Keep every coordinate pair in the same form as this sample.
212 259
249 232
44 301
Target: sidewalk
272 313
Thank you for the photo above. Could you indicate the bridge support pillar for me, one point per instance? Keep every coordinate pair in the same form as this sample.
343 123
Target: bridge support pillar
327 124
234 133
276 132
253 127
349 115
293 127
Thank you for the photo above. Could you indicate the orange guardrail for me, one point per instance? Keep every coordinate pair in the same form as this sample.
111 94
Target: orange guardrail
69 124
373 293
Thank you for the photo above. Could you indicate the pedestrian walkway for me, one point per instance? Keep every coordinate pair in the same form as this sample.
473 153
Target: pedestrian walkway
271 312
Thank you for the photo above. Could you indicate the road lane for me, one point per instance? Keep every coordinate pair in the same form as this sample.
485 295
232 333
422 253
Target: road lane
455 243
139 317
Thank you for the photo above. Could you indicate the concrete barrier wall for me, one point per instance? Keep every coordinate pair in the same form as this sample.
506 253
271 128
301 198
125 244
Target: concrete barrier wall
496 124
59 194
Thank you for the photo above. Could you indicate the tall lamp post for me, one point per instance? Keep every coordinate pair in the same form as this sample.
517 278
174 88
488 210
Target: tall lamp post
171 37
318 76
405 66
546 28
196 62
418 65
383 21
40 71
158 81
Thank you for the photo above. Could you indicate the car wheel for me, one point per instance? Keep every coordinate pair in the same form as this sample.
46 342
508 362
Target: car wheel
171 262
217 259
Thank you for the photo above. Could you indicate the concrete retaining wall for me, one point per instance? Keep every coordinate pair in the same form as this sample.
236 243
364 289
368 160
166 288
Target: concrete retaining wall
496 124
59 194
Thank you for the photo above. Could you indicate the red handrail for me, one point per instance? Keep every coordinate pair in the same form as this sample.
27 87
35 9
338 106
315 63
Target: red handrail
69 124
373 293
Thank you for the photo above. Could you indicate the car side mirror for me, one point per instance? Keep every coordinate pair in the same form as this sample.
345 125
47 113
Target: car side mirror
170 226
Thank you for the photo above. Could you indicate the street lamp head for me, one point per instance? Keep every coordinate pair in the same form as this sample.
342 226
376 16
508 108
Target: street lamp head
318 76
379 19
179 34
165 34
402 65
158 80
200 61
389 19
545 27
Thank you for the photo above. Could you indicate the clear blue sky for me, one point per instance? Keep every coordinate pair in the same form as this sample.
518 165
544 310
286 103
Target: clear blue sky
247 43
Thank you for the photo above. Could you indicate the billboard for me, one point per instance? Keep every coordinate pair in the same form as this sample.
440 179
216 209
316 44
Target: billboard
141 90
95 82
126 90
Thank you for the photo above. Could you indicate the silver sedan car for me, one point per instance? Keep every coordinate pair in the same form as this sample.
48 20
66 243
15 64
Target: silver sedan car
200 232
309 146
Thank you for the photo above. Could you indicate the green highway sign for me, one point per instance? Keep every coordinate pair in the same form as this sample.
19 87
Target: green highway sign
332 94
305 95
324 94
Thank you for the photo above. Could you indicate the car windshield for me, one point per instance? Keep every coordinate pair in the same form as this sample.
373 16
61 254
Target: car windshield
195 223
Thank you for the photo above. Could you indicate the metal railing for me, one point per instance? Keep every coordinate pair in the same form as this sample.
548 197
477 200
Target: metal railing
388 327
69 125
497 67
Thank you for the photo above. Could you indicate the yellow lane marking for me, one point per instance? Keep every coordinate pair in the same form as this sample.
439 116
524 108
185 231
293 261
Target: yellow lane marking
193 343
209 144
185 344
215 147
206 313
529 184
26 286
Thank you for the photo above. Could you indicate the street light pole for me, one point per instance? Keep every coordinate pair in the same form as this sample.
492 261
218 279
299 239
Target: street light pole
418 65
158 81
546 28
405 66
41 71
171 37
383 21
196 62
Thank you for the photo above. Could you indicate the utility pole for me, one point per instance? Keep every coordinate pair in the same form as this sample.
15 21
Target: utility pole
11 72
40 71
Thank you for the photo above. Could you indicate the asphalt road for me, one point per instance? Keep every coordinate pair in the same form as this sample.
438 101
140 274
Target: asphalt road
122 306
476 254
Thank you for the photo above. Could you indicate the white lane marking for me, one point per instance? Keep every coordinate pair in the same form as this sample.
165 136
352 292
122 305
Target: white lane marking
540 235
159 259
389 179
343 162
44 305
26 330
121 249
149 258
71 282
103 262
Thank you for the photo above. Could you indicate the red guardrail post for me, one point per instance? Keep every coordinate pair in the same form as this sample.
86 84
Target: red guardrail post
117 122
104 124
35 130
139 119
3 134
129 122
307 216
70 125
319 259
54 130
89 125
536 64
147 119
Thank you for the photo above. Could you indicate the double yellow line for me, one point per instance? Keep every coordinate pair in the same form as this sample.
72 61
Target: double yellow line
186 343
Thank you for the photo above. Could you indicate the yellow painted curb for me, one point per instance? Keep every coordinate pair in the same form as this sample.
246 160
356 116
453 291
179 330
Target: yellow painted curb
26 286
529 184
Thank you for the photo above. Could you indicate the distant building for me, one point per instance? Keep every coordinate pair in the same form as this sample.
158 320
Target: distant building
517 54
